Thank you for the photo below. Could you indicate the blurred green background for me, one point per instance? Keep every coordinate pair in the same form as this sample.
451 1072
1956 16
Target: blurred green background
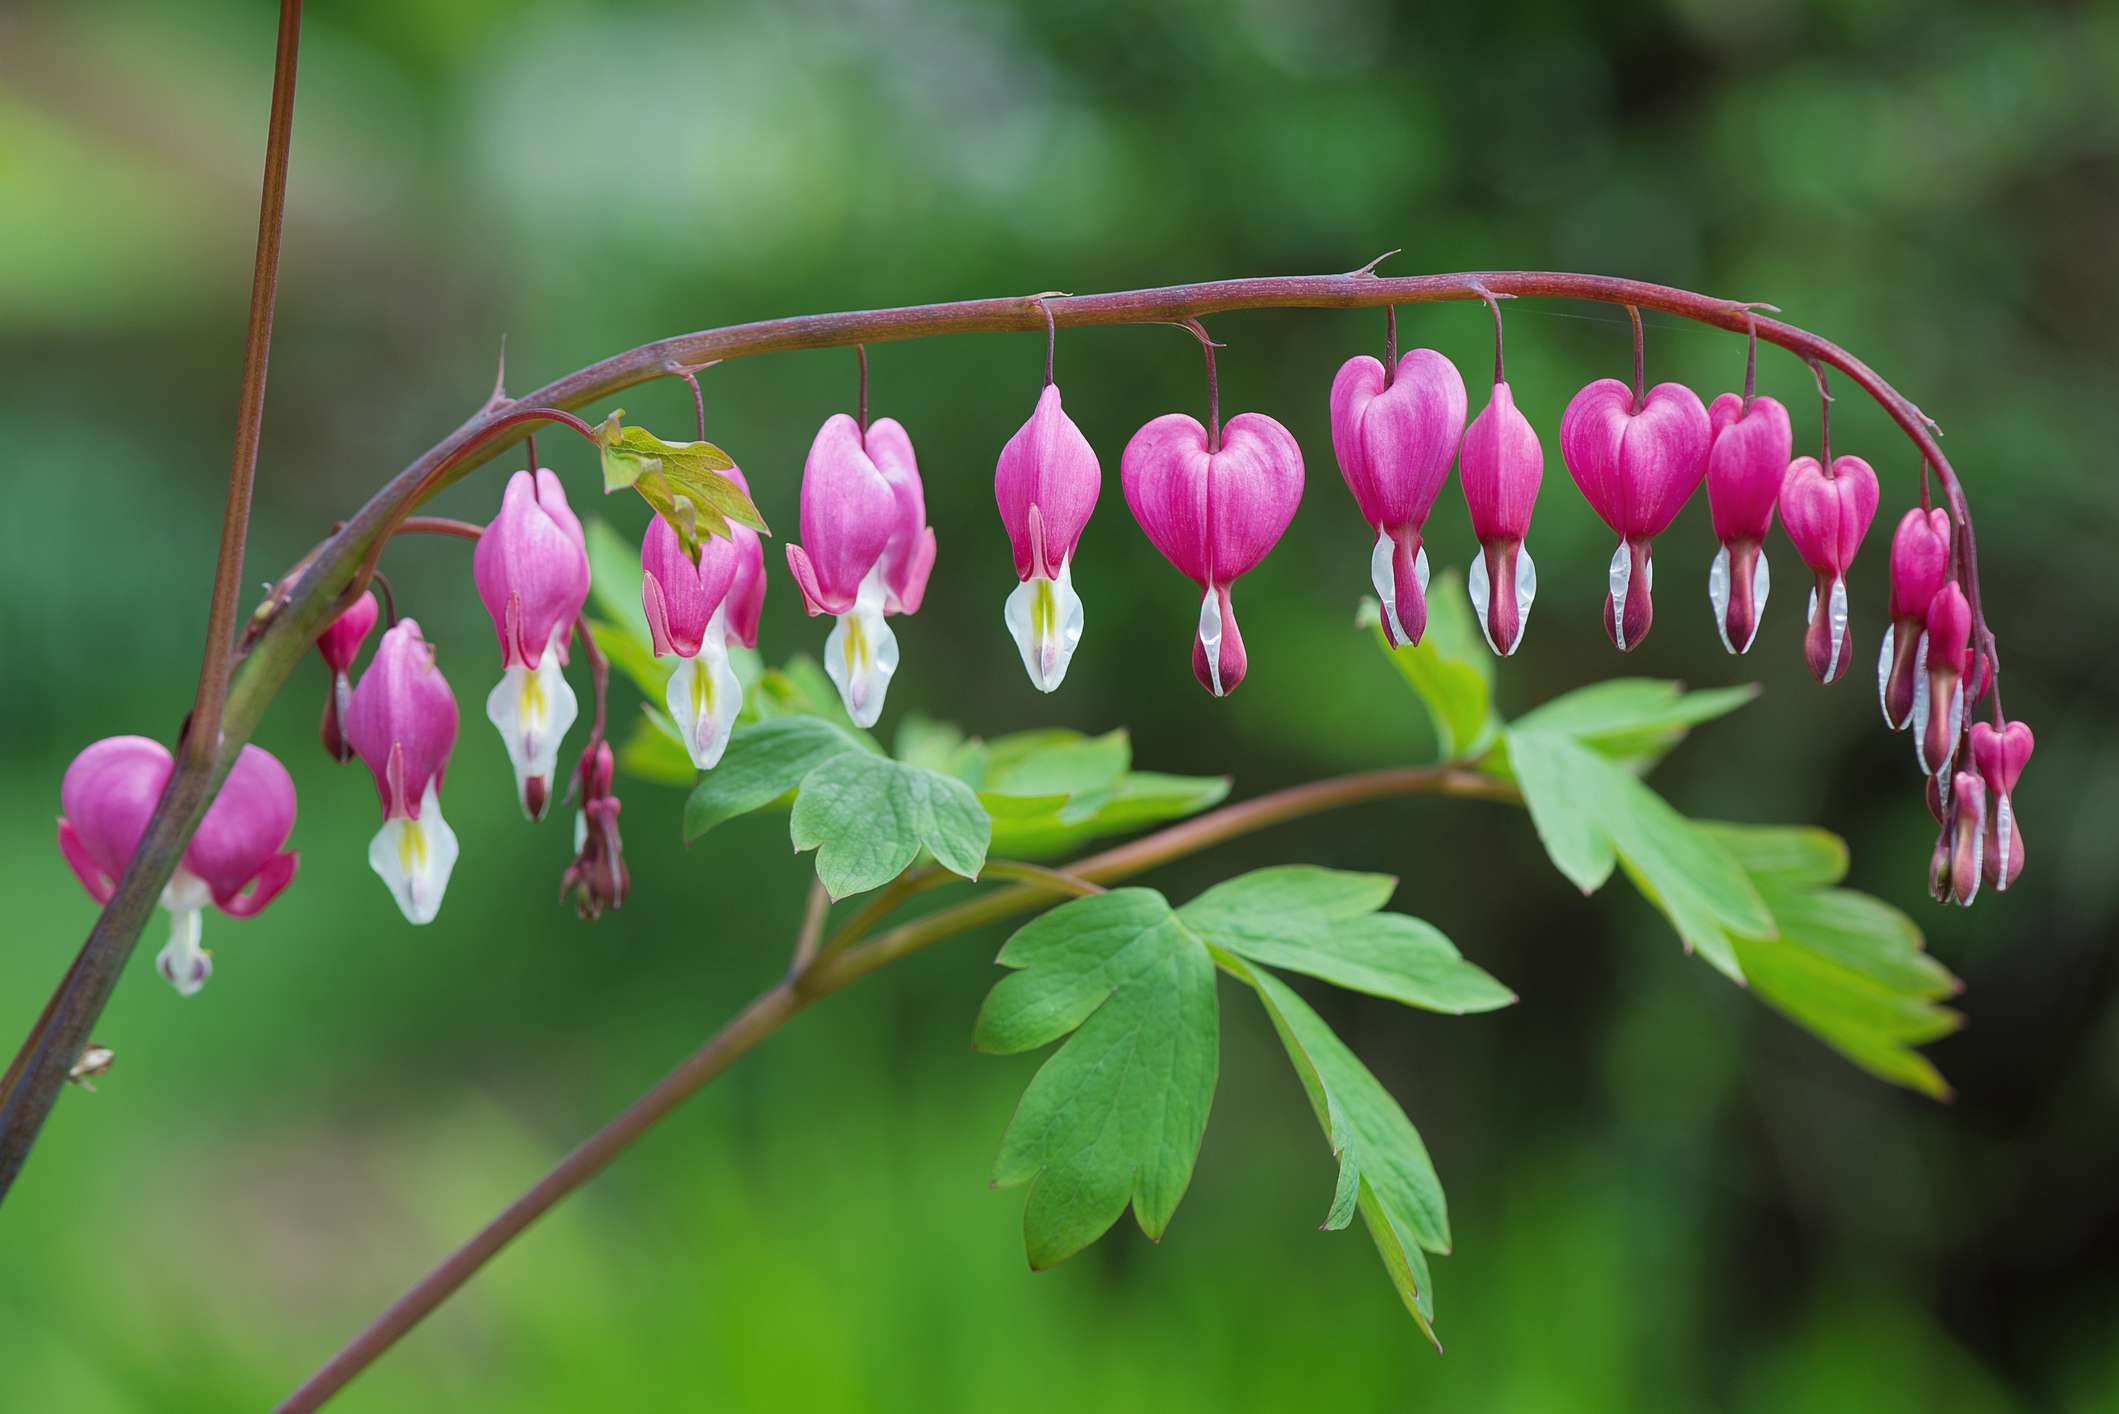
1664 1196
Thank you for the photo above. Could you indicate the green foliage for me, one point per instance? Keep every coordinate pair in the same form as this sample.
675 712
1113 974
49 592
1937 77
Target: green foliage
1450 668
764 761
681 480
1633 721
868 817
1117 1113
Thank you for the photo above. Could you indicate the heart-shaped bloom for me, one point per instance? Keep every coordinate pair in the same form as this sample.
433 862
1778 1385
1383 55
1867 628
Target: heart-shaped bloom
1213 512
866 551
1637 466
234 860
1046 484
1960 854
2000 755
1939 696
1500 467
402 723
1826 512
532 569
694 611
1395 437
339 644
1746 460
1920 562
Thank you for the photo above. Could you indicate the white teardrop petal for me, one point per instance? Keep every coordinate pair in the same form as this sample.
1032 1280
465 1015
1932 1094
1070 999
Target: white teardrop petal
1044 617
1836 606
1526 593
2004 840
1210 636
533 708
1718 595
861 653
1386 582
1919 717
704 696
1481 590
415 858
1621 576
1883 675
183 964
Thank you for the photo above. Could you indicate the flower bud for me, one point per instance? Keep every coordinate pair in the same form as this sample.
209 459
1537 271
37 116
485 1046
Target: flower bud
1826 513
597 878
1500 466
532 571
1920 561
1394 438
339 644
1046 484
1939 695
2000 755
1213 512
1637 466
402 723
1968 799
234 860
866 552
1746 459
693 610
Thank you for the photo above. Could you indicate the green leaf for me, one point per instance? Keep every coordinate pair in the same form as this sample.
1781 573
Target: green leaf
1117 1114
681 480
922 741
1591 813
653 753
634 660
1324 924
614 575
1054 762
1450 668
1040 827
801 687
763 762
1634 720
1382 1159
1783 855
868 817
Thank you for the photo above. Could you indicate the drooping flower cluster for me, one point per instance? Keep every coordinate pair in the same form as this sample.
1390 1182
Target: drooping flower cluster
694 610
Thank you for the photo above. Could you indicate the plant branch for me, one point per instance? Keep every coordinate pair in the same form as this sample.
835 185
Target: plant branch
824 975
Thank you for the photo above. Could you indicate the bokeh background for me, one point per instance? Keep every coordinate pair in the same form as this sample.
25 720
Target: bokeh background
1664 1196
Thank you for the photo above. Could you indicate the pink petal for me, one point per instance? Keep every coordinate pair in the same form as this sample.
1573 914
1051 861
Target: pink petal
1395 444
106 797
1500 467
1048 467
1746 460
849 514
402 708
684 595
536 557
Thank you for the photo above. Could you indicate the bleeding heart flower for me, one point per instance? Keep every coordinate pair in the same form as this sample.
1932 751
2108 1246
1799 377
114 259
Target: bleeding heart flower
2000 756
1637 464
1939 696
1961 852
234 861
866 552
340 644
1500 467
402 722
1394 436
1746 460
1046 484
532 569
597 878
1826 513
693 611
1920 562
1213 510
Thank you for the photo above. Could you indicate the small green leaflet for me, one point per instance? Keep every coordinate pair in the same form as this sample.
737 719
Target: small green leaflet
1450 668
764 761
614 575
868 817
682 481
1631 720
1848 968
1592 814
1116 1115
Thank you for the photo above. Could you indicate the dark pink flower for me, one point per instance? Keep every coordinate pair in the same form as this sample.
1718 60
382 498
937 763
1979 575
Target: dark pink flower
1966 838
2000 755
1046 484
597 878
694 611
1920 562
1500 467
234 860
340 644
1637 465
532 571
1826 513
402 723
866 551
1395 437
1213 512
1939 696
1746 460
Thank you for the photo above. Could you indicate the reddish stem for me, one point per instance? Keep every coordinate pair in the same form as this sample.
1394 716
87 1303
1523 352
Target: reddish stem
1640 360
1390 344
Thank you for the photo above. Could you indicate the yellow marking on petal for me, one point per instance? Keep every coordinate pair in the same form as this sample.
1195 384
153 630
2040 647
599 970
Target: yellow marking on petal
535 704
702 692
856 646
412 848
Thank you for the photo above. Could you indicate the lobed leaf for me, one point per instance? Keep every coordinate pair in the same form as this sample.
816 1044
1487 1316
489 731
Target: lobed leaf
764 761
1635 721
683 481
868 817
1117 1114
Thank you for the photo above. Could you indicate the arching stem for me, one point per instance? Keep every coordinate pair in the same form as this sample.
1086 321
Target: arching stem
1824 417
860 351
1390 344
1493 305
1750 359
1640 359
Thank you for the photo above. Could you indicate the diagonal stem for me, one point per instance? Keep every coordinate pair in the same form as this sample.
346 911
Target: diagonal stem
826 974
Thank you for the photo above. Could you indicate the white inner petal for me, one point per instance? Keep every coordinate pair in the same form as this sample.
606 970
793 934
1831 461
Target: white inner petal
704 695
1761 586
1210 635
183 964
1979 841
1883 675
1044 617
1526 593
1621 576
1386 582
2004 837
415 857
533 708
1481 590
1919 715
1836 606
1718 595
581 829
862 653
